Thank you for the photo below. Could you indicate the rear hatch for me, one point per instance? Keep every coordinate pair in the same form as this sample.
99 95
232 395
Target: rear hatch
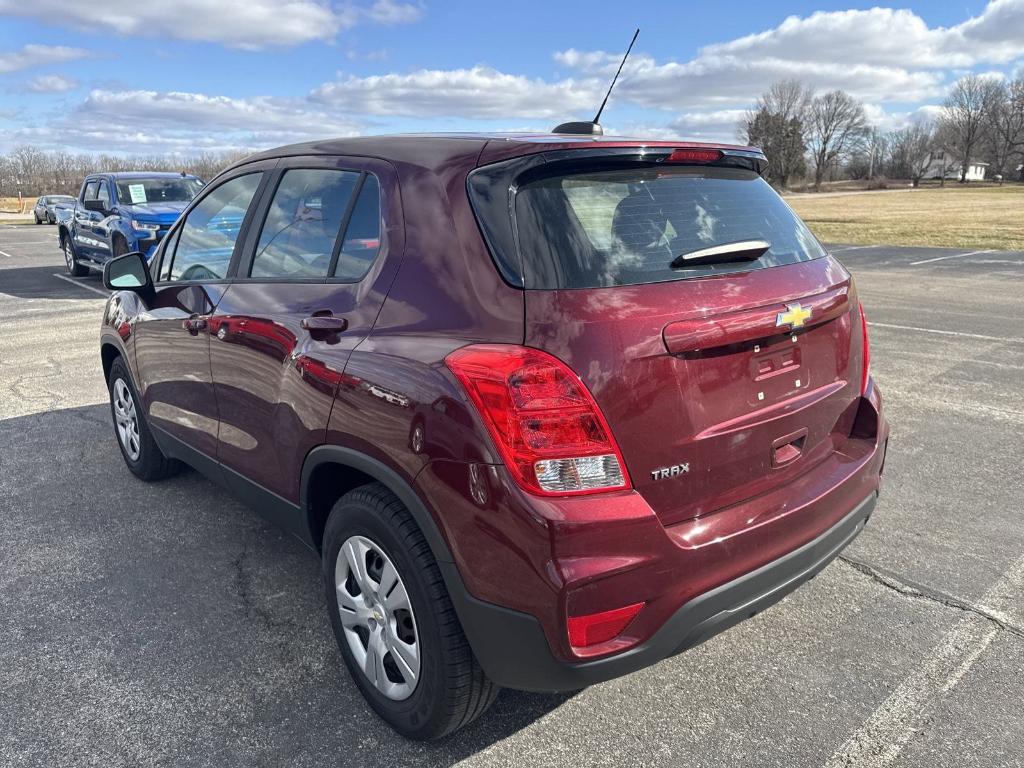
713 330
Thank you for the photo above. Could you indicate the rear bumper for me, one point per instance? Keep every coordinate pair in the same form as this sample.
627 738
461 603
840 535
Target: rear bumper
512 648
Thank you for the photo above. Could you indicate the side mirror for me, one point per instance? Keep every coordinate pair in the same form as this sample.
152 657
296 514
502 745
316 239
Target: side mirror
94 205
128 273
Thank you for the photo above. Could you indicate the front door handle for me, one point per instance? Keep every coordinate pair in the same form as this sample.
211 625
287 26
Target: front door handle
194 324
325 323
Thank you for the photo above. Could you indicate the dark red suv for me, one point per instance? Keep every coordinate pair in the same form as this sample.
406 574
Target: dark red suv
551 408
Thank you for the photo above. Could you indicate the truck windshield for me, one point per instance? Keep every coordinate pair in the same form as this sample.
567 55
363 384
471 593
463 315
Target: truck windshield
157 190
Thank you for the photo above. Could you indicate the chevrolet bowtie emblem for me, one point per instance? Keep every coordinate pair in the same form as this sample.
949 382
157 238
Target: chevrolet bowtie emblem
795 316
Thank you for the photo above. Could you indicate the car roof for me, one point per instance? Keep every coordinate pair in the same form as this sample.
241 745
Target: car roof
409 145
141 175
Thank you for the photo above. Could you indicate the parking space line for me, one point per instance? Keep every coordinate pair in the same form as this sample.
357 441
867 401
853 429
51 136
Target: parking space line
843 248
67 279
950 256
52 241
881 738
6 254
981 337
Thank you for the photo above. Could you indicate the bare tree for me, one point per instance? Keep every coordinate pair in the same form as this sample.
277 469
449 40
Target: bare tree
963 116
837 125
913 149
1003 127
776 124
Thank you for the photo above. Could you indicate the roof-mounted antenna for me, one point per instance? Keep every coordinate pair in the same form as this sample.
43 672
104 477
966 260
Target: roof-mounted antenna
593 128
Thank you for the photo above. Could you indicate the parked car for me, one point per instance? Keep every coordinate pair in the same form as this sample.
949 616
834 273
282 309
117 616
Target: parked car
45 205
549 408
117 213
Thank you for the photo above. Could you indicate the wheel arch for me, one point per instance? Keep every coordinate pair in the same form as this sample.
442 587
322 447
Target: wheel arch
329 471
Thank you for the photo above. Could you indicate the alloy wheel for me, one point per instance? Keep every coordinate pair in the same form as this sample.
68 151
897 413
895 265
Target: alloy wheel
377 617
126 420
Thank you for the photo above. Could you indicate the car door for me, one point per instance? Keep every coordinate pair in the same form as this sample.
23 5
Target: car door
172 343
87 246
317 264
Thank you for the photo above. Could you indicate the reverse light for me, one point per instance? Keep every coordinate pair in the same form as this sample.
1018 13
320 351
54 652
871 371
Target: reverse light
865 371
600 627
694 156
545 423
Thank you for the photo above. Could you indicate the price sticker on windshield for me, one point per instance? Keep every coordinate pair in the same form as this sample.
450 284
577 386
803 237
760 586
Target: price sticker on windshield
138 192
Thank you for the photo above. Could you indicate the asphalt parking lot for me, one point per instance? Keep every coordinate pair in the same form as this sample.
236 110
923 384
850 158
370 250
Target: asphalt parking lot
166 624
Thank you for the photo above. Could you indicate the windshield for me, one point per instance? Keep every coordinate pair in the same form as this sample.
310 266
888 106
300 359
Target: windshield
624 227
157 190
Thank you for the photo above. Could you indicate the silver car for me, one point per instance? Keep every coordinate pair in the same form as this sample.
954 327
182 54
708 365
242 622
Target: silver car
44 210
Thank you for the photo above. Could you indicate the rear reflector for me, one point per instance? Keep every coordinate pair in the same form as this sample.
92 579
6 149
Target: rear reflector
600 627
865 372
694 156
543 420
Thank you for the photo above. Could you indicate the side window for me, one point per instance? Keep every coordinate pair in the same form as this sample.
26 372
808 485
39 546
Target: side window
362 235
103 194
303 223
167 257
207 237
90 190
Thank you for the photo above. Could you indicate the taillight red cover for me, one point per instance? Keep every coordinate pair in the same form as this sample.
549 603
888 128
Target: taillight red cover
600 627
544 421
866 362
694 156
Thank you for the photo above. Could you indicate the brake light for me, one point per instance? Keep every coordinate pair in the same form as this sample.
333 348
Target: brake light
865 371
545 423
600 627
694 156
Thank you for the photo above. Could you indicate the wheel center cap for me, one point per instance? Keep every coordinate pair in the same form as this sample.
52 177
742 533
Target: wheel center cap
378 614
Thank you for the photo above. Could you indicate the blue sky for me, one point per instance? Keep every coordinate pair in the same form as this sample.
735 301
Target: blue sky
127 76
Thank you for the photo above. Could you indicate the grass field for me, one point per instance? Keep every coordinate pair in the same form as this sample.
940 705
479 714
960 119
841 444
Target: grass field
953 216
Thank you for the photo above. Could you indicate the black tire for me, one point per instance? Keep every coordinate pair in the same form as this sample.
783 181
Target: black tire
36 217
452 689
150 464
50 219
71 259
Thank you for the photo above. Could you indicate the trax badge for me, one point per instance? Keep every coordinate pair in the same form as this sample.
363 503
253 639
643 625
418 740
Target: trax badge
675 469
794 316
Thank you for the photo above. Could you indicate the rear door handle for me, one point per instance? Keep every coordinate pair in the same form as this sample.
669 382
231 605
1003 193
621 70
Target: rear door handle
325 323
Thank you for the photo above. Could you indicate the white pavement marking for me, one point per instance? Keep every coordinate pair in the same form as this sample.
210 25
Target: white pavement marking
67 279
879 741
852 248
982 337
6 254
52 241
950 256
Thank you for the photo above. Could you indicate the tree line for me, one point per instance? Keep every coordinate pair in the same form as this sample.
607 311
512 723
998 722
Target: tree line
33 172
817 137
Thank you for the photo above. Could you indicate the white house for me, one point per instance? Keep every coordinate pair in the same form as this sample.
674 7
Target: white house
946 164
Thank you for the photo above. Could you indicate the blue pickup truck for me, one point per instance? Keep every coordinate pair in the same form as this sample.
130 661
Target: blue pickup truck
117 213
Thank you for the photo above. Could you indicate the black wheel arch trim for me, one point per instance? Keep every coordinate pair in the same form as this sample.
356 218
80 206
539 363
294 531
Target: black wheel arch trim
378 470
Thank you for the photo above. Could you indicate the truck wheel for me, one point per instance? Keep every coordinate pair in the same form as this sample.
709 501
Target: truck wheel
394 621
74 268
140 451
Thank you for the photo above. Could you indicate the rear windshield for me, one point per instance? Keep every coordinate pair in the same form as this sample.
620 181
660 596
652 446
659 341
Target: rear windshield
626 226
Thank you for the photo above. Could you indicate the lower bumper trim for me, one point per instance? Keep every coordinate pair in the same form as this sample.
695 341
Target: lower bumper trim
514 652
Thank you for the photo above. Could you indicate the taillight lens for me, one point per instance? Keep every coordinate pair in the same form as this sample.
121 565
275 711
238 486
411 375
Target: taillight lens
601 627
865 371
544 421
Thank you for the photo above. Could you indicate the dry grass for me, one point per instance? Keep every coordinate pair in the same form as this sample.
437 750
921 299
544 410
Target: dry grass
11 204
954 216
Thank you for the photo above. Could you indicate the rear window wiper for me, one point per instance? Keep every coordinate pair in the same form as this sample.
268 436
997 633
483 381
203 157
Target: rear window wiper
744 250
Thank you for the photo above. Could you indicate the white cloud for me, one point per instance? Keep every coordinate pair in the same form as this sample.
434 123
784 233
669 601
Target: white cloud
480 92
36 55
237 23
51 84
140 121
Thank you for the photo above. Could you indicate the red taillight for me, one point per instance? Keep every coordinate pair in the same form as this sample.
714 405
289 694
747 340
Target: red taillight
694 156
865 372
544 421
600 627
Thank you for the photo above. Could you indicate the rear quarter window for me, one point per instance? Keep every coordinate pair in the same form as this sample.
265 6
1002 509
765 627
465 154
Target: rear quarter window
627 226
